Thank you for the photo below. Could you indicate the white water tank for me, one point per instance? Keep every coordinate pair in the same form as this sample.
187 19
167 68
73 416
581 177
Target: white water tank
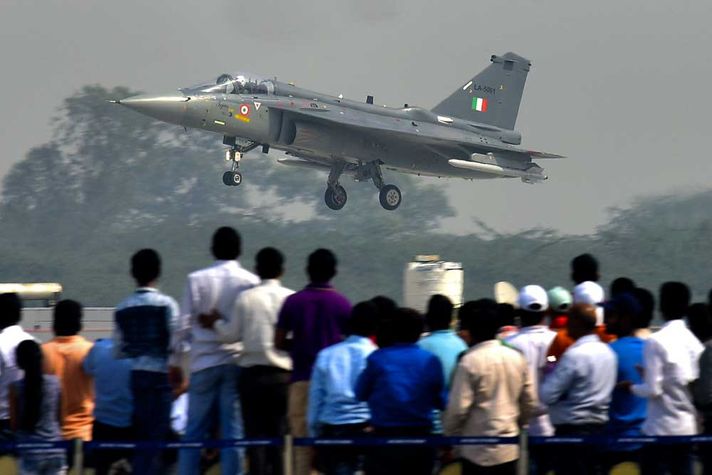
429 275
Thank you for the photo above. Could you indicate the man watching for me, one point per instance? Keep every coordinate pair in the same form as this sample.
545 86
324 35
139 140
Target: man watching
265 371
334 410
11 335
214 374
316 317
113 402
144 324
63 357
670 361
491 392
534 340
627 411
578 391
402 385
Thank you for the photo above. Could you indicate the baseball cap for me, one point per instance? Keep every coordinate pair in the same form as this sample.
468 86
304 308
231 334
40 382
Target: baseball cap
559 299
533 298
624 303
592 294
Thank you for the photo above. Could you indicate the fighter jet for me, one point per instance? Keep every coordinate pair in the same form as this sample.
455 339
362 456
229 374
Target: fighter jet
468 135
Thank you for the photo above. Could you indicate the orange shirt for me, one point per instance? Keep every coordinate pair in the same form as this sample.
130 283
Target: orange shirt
63 357
562 341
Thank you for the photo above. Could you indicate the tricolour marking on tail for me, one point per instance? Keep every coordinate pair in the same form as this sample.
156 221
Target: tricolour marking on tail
493 96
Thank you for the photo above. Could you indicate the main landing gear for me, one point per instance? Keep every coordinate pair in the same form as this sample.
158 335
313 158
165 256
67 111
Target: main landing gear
335 195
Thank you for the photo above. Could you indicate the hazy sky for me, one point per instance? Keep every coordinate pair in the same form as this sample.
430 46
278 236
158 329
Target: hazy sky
619 87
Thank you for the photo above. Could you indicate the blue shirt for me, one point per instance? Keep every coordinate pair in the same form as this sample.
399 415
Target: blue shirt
402 385
627 411
447 346
113 401
331 391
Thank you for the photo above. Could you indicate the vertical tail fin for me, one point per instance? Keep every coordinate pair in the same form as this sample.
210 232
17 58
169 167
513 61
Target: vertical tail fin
493 96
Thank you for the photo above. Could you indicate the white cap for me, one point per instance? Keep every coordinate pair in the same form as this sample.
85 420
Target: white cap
533 298
592 294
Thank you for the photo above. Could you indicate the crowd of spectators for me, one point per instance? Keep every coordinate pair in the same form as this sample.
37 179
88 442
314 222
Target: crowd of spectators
243 356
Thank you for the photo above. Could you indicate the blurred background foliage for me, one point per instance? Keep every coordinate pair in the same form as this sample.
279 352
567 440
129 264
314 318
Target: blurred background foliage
111 182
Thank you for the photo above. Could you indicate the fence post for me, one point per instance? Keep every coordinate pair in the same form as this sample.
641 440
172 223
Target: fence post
288 454
79 456
523 466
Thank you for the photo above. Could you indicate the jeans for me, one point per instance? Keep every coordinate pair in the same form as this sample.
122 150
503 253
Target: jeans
263 395
41 464
579 459
297 416
675 459
405 460
337 460
210 389
508 468
104 459
152 399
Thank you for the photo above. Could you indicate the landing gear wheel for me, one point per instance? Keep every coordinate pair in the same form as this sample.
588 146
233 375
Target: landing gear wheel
232 178
227 178
335 198
390 197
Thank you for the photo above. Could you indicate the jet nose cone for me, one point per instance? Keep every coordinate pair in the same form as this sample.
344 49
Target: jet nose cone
165 107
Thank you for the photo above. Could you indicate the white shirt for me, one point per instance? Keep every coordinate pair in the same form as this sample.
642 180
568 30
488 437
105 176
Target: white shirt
10 337
670 358
213 288
534 342
579 390
253 322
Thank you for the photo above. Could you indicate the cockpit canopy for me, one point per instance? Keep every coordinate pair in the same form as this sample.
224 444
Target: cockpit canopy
237 83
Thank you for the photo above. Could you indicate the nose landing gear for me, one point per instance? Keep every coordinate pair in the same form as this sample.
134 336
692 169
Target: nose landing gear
238 148
233 177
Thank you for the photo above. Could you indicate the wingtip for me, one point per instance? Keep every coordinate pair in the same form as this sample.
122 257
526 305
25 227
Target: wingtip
116 101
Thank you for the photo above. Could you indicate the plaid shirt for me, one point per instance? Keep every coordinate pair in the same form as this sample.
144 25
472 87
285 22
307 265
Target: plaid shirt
144 325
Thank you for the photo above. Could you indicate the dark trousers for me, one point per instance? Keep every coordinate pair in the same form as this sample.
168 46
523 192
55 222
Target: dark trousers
263 395
674 459
705 450
400 460
104 459
152 399
579 459
469 468
335 460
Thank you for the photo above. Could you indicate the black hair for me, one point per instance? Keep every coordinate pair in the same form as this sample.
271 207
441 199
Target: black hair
585 315
482 318
321 266
529 318
29 358
584 268
227 244
10 309
674 300
439 313
145 266
385 305
507 314
622 285
67 319
269 263
363 320
404 326
646 299
699 320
